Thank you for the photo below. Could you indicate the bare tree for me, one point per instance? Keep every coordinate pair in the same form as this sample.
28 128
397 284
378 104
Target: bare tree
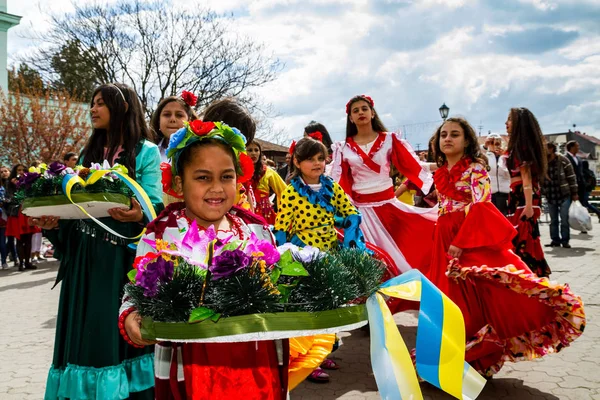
156 48
40 124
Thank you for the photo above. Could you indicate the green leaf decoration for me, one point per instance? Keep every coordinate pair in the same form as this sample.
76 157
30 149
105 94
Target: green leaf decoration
202 313
275 274
289 266
285 291
131 275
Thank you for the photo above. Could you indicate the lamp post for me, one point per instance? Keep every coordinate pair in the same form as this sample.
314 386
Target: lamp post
444 111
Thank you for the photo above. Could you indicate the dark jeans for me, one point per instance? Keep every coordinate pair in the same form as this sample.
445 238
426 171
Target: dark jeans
3 247
560 211
11 248
585 201
500 200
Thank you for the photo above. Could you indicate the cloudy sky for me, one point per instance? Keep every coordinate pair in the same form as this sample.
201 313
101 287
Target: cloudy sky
480 57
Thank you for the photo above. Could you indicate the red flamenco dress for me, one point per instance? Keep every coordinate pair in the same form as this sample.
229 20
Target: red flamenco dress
510 313
268 181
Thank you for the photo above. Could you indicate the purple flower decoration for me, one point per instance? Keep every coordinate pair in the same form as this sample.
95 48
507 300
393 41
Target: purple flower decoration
228 263
262 250
27 180
152 274
56 168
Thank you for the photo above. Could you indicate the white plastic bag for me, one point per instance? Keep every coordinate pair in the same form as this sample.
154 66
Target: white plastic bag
579 217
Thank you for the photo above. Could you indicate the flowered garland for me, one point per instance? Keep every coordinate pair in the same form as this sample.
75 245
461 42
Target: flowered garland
354 100
45 180
202 277
197 130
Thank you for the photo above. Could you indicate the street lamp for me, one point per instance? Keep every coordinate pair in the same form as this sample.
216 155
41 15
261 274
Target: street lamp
444 111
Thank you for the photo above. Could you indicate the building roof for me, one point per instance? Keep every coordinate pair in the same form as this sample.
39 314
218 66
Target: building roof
273 147
578 135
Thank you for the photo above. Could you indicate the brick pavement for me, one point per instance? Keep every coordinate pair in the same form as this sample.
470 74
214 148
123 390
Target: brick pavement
28 316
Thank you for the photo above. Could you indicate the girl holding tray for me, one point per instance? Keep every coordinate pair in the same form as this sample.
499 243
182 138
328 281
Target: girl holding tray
510 313
310 209
91 360
207 170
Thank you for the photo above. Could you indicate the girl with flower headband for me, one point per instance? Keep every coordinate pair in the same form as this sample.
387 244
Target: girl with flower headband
361 165
264 180
310 209
208 159
510 313
91 360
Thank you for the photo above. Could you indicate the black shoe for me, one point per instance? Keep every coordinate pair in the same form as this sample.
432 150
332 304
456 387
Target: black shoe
584 232
566 245
21 269
30 266
553 244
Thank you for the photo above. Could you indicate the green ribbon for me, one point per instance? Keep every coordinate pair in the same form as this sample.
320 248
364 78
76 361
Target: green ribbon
253 323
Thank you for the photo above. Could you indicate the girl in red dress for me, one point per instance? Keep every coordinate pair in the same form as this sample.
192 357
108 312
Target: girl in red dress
527 164
510 313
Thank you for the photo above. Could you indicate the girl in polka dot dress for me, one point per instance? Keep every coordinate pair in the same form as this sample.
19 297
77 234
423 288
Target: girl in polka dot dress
312 206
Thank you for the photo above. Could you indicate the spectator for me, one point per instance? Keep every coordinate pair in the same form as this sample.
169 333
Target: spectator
559 188
284 171
589 184
572 150
9 240
70 159
499 175
271 163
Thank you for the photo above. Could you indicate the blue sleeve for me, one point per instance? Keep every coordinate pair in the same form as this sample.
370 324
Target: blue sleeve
280 237
148 174
353 236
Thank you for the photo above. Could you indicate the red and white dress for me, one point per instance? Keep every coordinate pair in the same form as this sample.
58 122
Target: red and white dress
404 232
510 313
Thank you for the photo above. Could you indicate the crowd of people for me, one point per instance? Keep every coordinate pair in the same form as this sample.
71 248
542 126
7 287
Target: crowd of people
466 216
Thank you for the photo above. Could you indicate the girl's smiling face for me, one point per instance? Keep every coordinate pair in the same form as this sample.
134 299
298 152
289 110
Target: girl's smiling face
208 184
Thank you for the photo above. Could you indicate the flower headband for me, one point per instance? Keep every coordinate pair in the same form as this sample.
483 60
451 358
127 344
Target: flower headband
316 135
359 97
189 98
196 131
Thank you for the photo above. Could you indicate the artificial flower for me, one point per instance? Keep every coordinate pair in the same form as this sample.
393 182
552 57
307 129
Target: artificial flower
317 136
201 128
189 98
140 261
302 254
246 168
262 250
152 274
27 179
228 263
175 139
193 247
167 180
56 168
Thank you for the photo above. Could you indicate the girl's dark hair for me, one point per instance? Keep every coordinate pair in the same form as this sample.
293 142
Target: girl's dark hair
259 165
526 143
314 126
155 120
473 150
234 114
375 122
185 157
127 127
306 148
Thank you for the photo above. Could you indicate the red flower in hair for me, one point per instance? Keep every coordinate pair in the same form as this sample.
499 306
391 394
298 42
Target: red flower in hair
189 98
247 167
292 147
167 180
201 128
317 136
364 97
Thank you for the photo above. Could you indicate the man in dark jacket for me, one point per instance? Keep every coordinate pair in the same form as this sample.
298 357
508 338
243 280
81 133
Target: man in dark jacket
572 150
559 189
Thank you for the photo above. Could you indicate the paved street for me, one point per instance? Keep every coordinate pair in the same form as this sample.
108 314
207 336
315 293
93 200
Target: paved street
28 310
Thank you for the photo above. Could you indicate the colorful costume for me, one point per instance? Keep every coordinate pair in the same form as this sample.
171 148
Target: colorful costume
269 180
404 232
217 371
91 359
308 216
527 242
510 313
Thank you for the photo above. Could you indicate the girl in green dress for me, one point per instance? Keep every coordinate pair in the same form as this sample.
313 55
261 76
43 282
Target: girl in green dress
91 359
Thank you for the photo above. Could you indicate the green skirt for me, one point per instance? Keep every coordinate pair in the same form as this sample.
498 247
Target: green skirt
91 359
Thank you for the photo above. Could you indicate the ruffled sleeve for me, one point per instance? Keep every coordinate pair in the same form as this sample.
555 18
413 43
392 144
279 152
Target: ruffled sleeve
350 219
285 217
276 183
406 162
480 184
340 169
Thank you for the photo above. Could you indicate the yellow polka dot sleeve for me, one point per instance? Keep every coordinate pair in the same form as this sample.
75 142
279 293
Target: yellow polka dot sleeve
285 217
342 203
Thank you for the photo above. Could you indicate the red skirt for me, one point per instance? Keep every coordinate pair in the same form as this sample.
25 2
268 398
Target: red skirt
224 371
19 225
510 313
264 207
